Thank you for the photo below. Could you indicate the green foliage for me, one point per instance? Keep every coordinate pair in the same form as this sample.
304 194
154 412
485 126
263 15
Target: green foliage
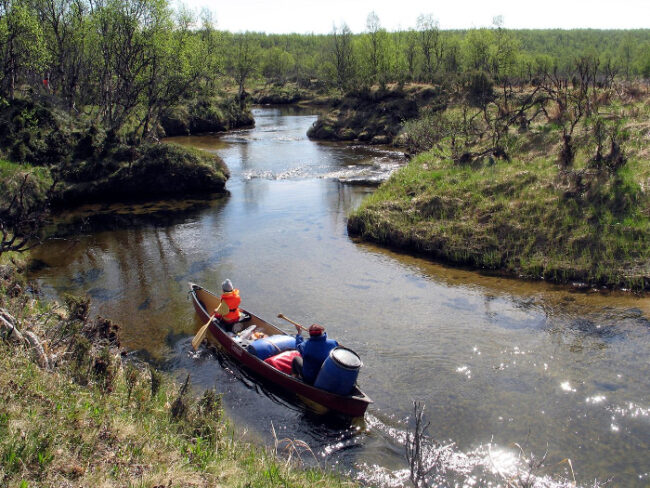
22 47
277 64
244 62
24 192
31 133
425 131
124 62
88 165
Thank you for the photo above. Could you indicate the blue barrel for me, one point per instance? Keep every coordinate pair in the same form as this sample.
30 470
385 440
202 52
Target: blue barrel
339 371
271 345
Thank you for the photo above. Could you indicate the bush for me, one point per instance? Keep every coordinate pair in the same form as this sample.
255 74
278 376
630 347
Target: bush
479 88
423 133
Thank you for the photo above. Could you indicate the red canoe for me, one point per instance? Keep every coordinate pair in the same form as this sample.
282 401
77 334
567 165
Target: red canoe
353 405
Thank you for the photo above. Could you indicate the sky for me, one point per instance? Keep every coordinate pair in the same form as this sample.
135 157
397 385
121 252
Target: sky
319 17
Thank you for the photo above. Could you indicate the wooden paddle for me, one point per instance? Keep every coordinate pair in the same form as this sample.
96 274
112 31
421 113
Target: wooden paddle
281 316
200 335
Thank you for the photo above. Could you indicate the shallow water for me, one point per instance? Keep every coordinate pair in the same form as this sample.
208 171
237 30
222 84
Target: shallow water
496 361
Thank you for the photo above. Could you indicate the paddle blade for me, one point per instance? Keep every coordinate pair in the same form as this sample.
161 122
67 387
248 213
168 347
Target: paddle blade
200 335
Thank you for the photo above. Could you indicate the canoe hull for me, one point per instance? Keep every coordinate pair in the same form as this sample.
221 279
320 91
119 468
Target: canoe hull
353 405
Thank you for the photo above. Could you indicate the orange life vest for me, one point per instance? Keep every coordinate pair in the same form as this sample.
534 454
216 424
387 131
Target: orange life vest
232 300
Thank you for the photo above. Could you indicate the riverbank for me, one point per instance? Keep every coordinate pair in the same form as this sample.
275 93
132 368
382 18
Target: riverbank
516 207
90 165
76 412
314 93
375 115
200 116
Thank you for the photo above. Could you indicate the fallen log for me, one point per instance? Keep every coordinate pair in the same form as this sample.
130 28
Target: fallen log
8 327
37 349
10 332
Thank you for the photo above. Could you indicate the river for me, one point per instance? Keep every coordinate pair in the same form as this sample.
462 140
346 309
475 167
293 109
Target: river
497 362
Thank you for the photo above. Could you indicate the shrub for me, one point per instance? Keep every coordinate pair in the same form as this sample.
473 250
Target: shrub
479 88
423 133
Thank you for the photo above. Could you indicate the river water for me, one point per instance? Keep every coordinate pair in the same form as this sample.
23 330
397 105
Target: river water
503 367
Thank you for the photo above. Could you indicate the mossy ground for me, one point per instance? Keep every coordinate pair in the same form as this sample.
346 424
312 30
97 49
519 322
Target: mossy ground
519 217
94 420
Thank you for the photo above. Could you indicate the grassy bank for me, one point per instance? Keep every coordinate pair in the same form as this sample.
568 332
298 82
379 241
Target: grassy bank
147 171
215 114
12 174
91 165
517 210
372 115
77 414
311 93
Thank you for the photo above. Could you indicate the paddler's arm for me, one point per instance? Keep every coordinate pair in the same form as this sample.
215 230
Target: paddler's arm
222 309
299 341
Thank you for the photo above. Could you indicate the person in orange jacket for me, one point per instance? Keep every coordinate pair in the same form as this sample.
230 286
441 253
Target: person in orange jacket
228 310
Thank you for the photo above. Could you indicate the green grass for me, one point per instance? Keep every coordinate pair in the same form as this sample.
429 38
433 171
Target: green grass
36 180
9 169
154 171
518 217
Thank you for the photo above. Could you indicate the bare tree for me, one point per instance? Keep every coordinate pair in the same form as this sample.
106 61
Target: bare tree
571 107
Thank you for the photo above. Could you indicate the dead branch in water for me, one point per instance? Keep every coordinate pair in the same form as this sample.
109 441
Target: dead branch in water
424 455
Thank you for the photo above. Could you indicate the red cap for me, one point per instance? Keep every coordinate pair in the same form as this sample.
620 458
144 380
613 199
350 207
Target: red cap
316 330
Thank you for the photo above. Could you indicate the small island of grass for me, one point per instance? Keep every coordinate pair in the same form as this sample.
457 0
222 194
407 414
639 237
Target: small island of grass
547 182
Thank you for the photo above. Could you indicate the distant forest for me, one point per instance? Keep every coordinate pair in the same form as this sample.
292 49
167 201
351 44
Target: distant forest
126 60
428 54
